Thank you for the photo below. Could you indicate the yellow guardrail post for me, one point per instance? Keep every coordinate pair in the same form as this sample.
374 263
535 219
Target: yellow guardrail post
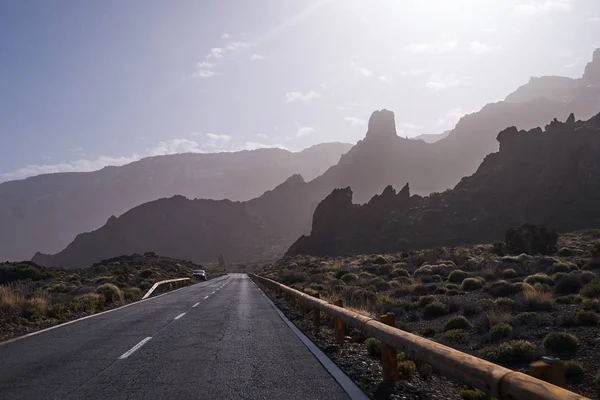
389 355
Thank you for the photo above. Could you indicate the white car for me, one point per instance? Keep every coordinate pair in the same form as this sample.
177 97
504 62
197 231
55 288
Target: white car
199 274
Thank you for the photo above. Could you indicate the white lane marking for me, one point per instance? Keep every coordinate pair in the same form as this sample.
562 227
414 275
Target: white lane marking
134 348
179 316
195 305
206 297
213 292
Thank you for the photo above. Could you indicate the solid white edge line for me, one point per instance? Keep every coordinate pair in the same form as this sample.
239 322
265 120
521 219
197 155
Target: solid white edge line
179 316
195 305
134 348
98 314
351 389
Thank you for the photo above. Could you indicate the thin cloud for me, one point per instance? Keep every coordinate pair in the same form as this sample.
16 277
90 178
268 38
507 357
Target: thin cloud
220 138
535 7
256 57
594 20
70 166
304 131
225 36
262 136
360 70
215 52
478 48
291 97
356 121
175 146
433 48
204 73
412 72
385 79
441 82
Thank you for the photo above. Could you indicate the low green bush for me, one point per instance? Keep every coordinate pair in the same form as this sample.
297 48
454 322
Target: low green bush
514 352
407 368
539 278
373 347
509 273
597 381
455 336
132 294
470 284
591 290
573 370
435 309
457 276
505 302
350 278
459 322
425 300
560 341
588 318
112 294
428 331
86 303
500 331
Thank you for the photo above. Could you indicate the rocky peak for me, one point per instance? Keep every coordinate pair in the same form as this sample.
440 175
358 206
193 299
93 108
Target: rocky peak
382 124
592 70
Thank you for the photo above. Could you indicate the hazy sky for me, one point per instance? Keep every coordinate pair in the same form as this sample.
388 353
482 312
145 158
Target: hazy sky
84 83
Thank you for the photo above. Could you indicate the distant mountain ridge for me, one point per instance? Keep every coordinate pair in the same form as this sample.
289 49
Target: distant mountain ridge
46 212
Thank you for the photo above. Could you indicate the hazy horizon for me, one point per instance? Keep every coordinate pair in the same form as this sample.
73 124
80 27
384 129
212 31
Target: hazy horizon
90 85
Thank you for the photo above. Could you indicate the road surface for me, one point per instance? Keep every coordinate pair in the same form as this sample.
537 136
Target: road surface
219 339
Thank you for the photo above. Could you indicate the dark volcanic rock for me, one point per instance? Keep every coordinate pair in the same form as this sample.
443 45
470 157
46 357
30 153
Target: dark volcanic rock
548 177
382 124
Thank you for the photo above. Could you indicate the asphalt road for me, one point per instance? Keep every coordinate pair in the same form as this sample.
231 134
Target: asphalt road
219 339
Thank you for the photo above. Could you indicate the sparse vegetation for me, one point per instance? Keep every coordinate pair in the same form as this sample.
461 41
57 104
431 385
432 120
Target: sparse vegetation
457 323
500 331
457 276
515 352
471 284
407 368
588 318
471 394
573 370
560 341
507 318
373 347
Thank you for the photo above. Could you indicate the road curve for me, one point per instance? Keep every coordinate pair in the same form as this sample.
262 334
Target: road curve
219 339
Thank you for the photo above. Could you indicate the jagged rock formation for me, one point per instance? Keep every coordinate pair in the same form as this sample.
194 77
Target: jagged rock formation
549 177
46 212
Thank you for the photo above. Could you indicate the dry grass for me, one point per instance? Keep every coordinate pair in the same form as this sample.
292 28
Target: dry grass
537 299
11 297
499 317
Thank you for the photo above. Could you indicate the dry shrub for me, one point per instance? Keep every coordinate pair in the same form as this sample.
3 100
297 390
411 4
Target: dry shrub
11 298
537 300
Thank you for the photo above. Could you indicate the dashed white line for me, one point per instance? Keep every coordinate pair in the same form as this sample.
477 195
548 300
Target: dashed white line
206 297
213 292
134 348
195 305
179 316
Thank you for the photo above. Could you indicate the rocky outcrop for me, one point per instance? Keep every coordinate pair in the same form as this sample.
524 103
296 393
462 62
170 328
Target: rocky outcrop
591 74
382 124
547 177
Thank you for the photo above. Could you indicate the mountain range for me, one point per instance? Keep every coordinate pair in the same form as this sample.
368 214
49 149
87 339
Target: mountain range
379 160
46 212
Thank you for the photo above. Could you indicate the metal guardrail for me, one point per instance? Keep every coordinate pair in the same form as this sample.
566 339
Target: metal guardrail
149 292
499 382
